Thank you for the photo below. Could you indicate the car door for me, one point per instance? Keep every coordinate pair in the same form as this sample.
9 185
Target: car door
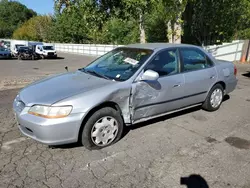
151 98
199 74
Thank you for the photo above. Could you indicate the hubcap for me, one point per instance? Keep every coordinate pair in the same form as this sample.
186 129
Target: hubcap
216 98
104 131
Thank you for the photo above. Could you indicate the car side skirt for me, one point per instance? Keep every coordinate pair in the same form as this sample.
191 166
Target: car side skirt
160 115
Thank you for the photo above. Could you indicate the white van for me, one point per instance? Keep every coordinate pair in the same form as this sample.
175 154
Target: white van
15 45
46 51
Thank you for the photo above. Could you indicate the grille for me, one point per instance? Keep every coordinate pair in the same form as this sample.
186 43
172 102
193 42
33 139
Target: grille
50 53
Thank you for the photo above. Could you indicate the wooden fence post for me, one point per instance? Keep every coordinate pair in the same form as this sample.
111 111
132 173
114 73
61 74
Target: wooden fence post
248 52
245 51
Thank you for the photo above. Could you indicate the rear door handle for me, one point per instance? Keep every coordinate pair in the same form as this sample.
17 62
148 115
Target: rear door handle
212 77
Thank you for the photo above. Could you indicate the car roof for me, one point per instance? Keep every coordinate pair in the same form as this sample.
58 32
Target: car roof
154 46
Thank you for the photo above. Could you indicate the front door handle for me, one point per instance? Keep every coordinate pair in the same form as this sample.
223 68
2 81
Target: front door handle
212 77
177 85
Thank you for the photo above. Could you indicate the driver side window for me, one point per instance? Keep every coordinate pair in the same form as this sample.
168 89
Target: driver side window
165 63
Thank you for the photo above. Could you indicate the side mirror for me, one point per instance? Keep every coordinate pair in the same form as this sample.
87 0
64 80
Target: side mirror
149 75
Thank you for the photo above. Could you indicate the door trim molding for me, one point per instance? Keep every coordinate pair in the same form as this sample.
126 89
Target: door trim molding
172 100
164 114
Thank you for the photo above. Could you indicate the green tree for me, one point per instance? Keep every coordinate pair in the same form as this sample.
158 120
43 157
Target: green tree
82 22
209 22
156 23
77 24
37 29
128 21
138 9
61 4
12 15
119 31
243 27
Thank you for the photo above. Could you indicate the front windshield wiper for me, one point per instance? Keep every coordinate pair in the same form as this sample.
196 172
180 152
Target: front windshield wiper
95 73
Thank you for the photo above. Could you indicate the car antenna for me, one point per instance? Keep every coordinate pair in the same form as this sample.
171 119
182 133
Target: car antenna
66 68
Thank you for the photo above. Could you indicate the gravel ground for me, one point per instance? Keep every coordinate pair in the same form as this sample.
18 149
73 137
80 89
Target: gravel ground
157 153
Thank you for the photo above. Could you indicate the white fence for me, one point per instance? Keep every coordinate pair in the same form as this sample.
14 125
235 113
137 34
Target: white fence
226 51
88 49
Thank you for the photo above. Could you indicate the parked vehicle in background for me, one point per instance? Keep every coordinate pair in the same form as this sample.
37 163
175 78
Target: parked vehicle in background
5 44
16 48
128 85
16 44
46 51
26 53
5 53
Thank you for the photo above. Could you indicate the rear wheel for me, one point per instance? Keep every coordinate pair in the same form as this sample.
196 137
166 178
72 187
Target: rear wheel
102 129
214 98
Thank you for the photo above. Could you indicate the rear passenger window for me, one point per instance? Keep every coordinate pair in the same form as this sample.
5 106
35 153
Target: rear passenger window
194 59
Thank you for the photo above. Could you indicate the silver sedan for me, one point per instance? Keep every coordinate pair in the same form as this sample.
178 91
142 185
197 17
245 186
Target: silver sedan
128 85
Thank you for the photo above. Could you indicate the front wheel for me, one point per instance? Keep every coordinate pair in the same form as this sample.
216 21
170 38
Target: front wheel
102 129
214 98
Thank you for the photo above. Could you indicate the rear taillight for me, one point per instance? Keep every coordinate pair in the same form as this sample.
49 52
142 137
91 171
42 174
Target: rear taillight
235 70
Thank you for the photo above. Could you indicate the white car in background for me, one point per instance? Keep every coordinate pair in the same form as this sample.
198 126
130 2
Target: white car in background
5 53
46 51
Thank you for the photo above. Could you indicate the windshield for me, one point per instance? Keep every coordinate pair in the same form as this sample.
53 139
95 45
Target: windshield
3 49
48 47
19 45
119 64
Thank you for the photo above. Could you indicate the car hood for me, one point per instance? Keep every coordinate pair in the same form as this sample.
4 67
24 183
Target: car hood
56 88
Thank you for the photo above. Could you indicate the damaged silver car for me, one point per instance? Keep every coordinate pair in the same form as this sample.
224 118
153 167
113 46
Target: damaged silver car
128 85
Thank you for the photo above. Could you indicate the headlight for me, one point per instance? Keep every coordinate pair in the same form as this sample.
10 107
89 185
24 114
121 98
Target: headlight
50 111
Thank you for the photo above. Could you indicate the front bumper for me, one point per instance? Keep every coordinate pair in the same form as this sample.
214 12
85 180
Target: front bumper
50 55
5 56
49 131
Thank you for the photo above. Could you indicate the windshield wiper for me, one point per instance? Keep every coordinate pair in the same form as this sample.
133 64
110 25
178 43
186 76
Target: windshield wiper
95 73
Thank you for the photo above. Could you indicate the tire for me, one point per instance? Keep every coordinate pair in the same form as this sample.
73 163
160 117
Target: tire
210 106
33 57
19 57
97 119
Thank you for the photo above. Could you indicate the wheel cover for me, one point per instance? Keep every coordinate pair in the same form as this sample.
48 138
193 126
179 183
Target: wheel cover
104 131
216 98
